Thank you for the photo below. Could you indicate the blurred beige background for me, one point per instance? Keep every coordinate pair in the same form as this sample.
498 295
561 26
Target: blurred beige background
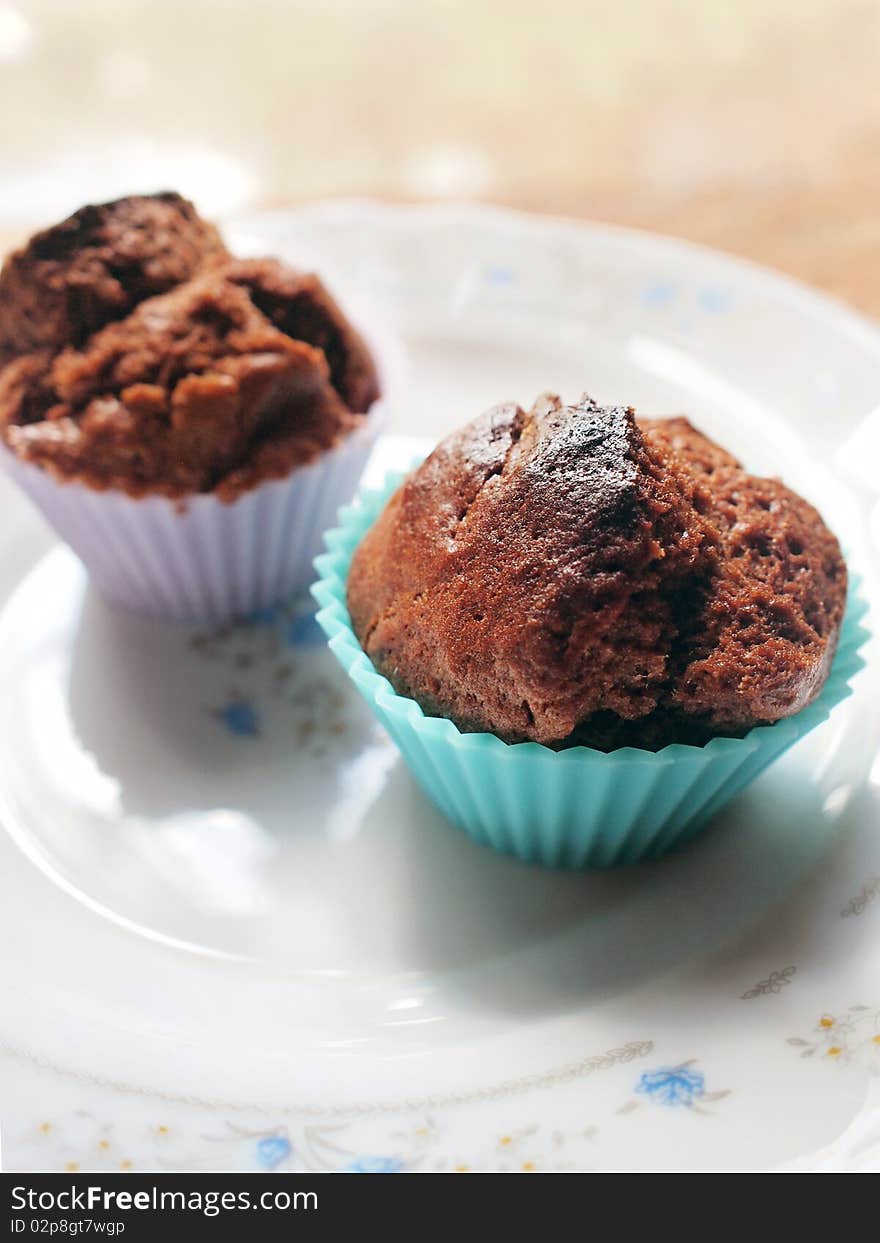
751 125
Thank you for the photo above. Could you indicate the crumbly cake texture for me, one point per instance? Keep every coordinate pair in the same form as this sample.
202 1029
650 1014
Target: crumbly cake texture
141 356
573 575
96 266
298 305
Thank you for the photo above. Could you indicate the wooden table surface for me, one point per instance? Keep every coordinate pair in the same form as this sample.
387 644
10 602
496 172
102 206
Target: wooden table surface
751 126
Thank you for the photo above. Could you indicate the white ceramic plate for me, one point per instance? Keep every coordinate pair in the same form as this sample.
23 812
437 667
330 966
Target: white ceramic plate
234 934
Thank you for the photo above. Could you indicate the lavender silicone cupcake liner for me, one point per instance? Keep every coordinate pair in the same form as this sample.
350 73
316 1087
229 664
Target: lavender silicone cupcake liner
202 560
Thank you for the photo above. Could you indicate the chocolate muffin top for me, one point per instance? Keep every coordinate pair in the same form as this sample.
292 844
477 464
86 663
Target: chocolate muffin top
300 307
142 357
767 632
572 575
96 266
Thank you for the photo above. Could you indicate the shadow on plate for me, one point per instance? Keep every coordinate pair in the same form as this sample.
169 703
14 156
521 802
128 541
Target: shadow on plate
528 941
348 870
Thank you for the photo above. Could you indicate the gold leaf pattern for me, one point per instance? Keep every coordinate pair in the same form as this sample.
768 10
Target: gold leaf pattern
774 983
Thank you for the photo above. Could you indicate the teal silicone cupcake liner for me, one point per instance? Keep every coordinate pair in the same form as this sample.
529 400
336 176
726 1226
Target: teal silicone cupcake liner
574 808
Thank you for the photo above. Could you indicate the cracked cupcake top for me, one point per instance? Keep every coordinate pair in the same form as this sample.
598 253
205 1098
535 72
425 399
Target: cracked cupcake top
139 355
572 575
96 266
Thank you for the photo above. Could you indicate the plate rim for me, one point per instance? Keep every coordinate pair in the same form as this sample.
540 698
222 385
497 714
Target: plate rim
803 298
855 323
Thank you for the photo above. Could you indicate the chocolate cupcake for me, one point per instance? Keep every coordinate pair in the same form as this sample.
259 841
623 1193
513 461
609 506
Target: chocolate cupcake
189 422
621 592
570 575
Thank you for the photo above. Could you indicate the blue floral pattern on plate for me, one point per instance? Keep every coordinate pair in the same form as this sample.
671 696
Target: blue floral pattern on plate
677 1085
240 718
376 1165
272 1150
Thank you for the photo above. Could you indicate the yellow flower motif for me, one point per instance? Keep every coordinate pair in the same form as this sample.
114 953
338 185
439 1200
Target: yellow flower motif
877 1038
45 1128
125 1165
462 1169
505 1140
826 1021
71 1167
103 1144
161 1129
835 1051
528 1167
